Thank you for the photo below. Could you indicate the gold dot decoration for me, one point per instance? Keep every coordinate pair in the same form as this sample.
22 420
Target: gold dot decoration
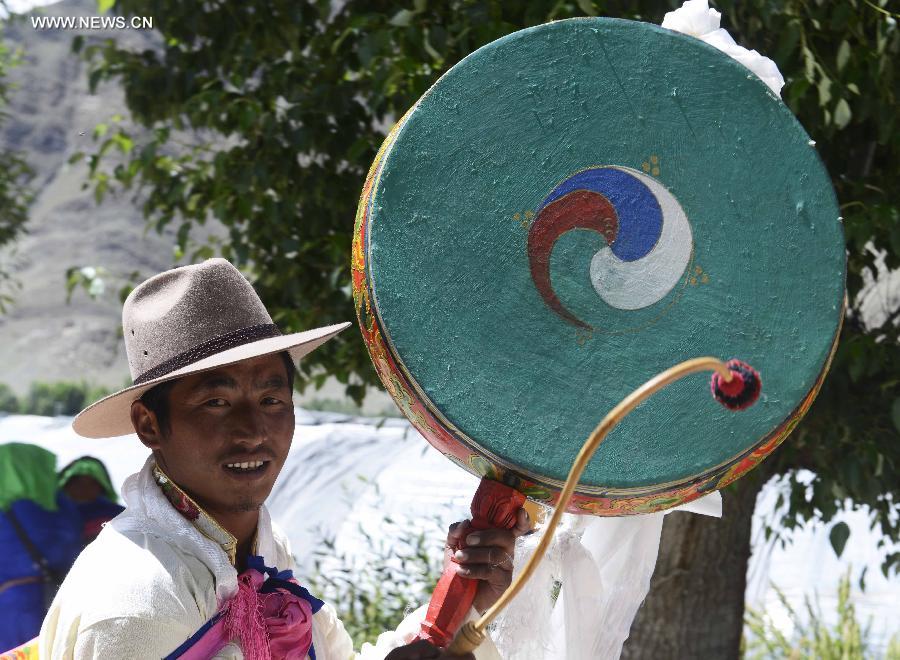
523 219
699 276
651 166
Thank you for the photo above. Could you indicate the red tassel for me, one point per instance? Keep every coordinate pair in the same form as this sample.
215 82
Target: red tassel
741 391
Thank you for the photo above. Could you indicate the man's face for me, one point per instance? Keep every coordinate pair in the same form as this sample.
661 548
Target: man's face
229 434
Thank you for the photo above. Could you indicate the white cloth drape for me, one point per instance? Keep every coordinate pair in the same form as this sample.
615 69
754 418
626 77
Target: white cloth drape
601 570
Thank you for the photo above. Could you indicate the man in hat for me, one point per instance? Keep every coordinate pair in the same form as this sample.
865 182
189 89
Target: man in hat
194 567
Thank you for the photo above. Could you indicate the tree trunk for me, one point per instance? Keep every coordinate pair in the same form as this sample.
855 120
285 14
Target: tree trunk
695 608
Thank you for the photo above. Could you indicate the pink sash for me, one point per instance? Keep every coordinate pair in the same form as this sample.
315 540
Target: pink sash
270 617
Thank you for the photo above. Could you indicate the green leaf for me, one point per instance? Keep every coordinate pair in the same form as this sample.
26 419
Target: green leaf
73 277
587 6
104 6
843 55
857 365
100 190
402 18
787 41
426 44
94 78
182 236
809 64
838 537
895 413
824 87
123 142
842 114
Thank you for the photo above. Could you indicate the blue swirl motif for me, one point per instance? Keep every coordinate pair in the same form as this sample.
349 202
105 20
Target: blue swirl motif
648 237
639 214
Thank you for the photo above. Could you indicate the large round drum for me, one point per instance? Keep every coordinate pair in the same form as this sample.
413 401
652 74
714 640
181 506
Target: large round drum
571 210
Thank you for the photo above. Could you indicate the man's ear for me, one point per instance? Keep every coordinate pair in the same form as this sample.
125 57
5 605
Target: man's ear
146 425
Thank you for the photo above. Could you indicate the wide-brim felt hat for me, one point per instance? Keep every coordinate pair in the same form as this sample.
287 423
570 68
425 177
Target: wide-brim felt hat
187 320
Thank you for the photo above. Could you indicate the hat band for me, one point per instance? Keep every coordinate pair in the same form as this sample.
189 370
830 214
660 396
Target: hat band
208 348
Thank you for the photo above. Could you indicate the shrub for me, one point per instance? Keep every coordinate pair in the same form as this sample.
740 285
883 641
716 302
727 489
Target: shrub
372 594
50 399
812 637
9 402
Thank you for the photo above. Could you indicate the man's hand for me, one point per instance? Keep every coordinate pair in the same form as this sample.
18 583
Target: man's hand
422 650
488 556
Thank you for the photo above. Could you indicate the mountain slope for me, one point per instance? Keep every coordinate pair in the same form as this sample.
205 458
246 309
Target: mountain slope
51 118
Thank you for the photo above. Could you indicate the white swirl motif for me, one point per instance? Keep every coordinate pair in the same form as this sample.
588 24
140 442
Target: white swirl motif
636 284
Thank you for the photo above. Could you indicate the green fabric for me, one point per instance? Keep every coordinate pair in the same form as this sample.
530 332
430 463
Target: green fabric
90 467
27 472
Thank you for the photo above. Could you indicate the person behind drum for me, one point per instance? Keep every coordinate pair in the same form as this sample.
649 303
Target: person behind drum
194 567
85 481
39 536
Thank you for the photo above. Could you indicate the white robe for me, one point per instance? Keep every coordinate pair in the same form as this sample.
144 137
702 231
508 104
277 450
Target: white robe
151 579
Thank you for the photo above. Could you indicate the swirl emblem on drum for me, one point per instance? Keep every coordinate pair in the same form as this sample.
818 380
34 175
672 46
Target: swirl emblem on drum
648 237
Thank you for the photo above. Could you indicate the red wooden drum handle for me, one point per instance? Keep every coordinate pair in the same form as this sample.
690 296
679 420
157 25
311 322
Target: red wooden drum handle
494 506
735 385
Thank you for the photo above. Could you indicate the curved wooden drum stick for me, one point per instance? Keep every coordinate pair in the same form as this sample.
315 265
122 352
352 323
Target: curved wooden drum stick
472 634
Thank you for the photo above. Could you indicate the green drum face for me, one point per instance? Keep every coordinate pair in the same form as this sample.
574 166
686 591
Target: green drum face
571 210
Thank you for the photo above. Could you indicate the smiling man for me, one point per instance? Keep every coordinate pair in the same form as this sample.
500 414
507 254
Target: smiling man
244 416
194 567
